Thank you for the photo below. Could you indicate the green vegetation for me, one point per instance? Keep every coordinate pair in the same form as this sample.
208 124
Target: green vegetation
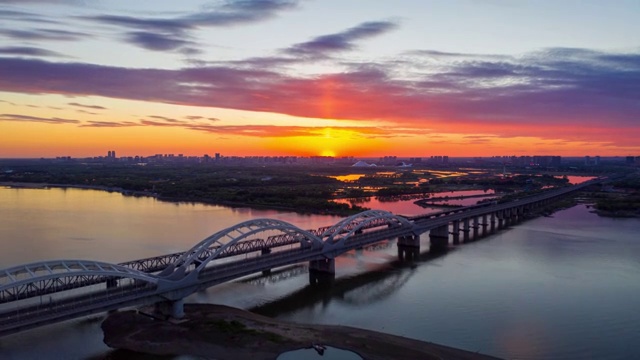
621 199
273 187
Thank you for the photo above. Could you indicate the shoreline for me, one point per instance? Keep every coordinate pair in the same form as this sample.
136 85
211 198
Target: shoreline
28 185
227 333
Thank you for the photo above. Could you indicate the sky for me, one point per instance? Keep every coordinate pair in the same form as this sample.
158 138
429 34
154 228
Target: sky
358 78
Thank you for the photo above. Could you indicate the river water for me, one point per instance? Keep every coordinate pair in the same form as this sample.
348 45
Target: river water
563 287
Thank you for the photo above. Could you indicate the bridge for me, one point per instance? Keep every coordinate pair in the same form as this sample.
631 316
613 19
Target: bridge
46 292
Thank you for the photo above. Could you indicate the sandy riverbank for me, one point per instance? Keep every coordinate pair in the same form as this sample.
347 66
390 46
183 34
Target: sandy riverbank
225 333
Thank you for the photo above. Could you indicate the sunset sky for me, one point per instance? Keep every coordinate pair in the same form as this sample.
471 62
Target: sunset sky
357 78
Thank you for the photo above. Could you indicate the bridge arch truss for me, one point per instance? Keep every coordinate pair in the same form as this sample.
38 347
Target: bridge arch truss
236 240
336 235
48 277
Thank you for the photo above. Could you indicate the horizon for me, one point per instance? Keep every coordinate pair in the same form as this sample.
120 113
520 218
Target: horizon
319 78
381 157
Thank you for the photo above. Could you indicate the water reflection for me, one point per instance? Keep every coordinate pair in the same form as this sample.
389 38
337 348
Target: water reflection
328 353
366 288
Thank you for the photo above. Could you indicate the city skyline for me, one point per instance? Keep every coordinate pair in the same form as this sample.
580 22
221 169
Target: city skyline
319 78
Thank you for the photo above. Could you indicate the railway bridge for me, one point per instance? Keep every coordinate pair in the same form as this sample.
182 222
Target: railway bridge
46 292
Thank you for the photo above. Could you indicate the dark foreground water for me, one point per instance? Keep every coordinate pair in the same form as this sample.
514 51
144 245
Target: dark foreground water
565 287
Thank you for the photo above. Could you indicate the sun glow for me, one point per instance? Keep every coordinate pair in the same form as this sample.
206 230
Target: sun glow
330 153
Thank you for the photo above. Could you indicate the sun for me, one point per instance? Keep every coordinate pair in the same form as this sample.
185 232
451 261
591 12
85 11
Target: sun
330 153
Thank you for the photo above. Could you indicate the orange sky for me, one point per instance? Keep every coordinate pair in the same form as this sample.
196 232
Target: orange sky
148 128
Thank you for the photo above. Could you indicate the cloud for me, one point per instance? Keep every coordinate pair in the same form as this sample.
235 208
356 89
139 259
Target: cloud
23 16
53 120
575 94
108 124
43 34
171 120
169 33
342 41
156 42
28 51
86 112
276 131
95 107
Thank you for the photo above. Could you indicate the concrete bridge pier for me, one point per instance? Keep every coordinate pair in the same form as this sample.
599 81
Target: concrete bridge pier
484 224
465 230
266 251
493 222
501 220
476 228
322 272
171 308
522 213
439 238
408 253
456 232
511 217
408 247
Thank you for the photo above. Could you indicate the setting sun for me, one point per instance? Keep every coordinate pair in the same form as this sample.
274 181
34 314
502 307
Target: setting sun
328 153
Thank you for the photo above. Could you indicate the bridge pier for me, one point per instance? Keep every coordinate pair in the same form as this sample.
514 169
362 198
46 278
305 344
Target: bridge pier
465 230
112 283
476 227
439 238
171 308
493 222
484 224
456 232
408 247
322 272
266 251
501 219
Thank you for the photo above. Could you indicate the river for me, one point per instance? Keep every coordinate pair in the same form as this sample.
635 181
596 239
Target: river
552 288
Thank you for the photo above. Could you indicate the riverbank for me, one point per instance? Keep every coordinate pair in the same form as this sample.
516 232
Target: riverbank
26 185
222 332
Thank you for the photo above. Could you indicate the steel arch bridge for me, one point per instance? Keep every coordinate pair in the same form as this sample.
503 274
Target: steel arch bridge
235 240
48 277
336 235
169 278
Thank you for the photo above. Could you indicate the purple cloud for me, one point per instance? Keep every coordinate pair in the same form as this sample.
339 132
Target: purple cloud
342 41
108 124
167 119
154 41
28 51
169 33
43 34
53 120
95 107
540 94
